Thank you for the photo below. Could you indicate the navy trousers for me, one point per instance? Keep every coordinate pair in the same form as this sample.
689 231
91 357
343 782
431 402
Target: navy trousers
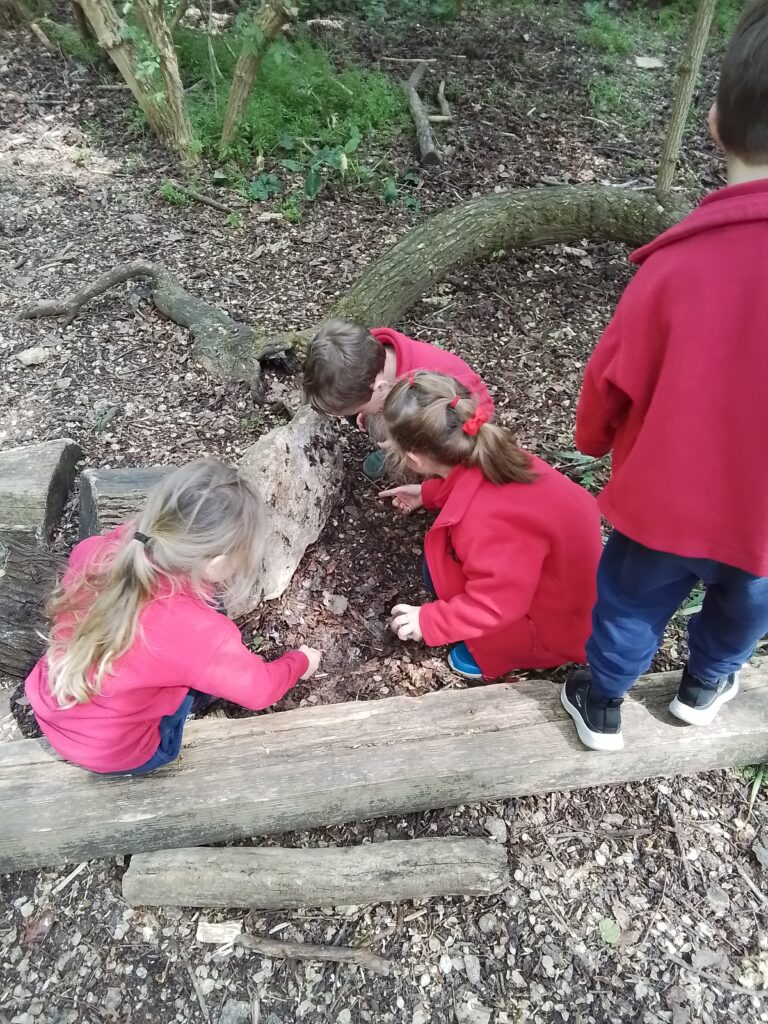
639 590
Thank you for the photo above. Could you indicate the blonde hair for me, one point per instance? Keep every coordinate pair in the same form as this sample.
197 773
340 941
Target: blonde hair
196 513
435 415
341 366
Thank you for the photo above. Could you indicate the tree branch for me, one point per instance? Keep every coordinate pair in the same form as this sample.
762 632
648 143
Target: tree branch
304 951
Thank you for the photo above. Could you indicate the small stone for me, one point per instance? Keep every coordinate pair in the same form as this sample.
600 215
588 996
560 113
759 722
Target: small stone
424 980
472 967
235 1011
335 603
63 383
488 923
33 356
496 828
344 1016
446 965
113 1000
718 898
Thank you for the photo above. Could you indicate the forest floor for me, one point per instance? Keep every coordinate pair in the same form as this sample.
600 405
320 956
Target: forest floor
610 897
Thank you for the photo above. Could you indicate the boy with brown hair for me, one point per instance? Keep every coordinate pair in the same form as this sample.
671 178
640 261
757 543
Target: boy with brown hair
677 389
349 371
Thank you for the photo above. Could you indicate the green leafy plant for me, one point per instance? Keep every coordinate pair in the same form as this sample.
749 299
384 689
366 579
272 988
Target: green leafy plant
234 219
264 187
174 195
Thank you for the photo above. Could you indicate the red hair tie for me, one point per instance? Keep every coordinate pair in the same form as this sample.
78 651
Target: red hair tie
474 423
411 379
454 402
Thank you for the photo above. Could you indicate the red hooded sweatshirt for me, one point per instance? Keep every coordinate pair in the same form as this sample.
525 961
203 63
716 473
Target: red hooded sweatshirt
419 355
513 566
677 388
181 643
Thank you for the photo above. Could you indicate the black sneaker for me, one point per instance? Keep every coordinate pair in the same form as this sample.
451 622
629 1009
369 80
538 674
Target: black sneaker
697 702
597 720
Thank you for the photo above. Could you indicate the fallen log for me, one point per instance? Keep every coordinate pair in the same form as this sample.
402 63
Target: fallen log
35 481
110 496
298 470
304 951
344 762
273 878
429 153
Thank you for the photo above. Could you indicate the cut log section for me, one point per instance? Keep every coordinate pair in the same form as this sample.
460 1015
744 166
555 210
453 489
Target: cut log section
35 481
272 878
110 496
430 154
344 762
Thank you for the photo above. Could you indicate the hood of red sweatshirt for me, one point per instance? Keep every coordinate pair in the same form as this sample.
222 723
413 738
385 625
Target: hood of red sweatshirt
735 204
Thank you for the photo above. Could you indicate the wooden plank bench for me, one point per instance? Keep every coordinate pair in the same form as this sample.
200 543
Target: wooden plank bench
343 762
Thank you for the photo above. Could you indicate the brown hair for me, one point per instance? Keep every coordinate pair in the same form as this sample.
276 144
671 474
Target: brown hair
432 414
342 364
742 94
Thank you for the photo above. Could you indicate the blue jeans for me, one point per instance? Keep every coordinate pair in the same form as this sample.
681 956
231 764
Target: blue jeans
171 733
638 591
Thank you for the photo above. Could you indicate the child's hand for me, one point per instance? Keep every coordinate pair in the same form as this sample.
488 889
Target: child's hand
406 499
361 421
405 622
313 657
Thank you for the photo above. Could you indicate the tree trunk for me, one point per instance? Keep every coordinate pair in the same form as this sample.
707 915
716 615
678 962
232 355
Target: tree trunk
269 20
686 83
165 112
35 481
13 13
459 236
271 878
472 231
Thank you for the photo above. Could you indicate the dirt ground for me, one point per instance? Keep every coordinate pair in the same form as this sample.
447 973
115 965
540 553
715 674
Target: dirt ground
640 903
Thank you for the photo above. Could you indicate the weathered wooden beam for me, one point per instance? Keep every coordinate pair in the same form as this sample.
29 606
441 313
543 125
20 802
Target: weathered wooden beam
343 762
110 496
275 878
35 481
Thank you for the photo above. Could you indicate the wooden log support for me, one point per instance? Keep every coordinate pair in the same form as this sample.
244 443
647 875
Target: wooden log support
428 148
35 481
110 496
274 878
345 762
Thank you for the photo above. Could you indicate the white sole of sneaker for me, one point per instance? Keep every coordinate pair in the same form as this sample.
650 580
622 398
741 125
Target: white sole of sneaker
605 742
702 716
475 677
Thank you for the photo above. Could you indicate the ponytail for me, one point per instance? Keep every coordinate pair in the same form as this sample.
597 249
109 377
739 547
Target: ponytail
435 415
195 514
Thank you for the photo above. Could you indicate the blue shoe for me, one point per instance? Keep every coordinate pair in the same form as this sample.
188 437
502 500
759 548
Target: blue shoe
375 465
463 664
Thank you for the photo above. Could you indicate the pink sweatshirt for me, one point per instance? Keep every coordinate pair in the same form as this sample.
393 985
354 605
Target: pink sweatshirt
181 643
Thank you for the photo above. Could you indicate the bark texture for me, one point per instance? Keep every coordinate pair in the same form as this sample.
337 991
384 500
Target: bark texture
429 154
165 111
343 762
35 481
686 83
274 878
270 19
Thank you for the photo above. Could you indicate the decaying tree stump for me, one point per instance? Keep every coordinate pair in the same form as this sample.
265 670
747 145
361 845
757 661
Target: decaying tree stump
35 481
275 878
110 496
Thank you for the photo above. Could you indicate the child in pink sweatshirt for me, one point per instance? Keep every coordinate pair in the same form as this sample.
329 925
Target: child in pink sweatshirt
137 642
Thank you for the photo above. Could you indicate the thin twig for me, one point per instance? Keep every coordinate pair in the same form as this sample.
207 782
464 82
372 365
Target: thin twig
36 31
681 845
304 951
442 102
751 884
198 992
715 979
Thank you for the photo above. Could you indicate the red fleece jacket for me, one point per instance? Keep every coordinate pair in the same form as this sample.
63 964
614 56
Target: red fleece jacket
181 643
677 388
501 554
419 355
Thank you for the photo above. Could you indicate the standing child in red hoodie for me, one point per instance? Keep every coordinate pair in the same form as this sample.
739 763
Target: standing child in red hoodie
677 388
512 556
349 371
138 643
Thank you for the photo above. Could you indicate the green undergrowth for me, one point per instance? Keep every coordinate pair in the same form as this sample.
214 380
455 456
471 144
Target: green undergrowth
70 42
